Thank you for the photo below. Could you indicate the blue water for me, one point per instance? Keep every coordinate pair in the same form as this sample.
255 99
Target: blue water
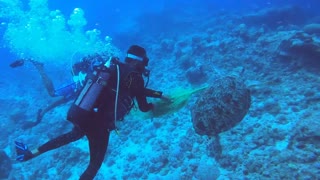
267 44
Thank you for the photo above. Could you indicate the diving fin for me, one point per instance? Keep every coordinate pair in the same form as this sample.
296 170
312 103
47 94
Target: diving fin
23 152
17 63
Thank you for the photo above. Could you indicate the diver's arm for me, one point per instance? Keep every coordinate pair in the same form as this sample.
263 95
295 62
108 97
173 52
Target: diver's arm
144 106
157 94
141 95
152 93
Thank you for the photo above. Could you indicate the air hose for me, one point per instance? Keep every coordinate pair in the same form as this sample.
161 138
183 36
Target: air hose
116 100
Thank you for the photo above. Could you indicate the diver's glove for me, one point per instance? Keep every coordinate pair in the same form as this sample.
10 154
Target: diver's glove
23 152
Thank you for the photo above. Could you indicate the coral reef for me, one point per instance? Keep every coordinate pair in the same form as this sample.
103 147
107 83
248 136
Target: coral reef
196 75
306 134
5 165
278 138
313 28
275 17
301 46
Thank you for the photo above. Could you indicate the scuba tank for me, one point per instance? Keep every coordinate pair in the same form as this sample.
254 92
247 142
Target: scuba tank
93 88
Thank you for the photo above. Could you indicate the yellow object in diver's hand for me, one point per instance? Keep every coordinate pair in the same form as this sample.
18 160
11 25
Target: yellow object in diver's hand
179 97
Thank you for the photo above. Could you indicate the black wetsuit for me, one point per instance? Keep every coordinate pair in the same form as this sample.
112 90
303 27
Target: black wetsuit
96 125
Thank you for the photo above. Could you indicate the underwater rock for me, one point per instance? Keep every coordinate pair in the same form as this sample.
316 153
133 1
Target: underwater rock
207 169
196 75
5 165
220 107
167 45
275 17
301 45
185 62
248 33
312 28
306 133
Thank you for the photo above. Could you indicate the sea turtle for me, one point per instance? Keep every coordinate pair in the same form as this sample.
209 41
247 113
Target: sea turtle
221 106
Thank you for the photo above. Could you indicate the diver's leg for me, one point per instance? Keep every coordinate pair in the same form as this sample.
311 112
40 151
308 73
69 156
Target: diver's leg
45 78
56 103
39 66
98 144
42 112
64 139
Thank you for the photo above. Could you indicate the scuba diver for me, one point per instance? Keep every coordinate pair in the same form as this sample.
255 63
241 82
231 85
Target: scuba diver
107 96
64 93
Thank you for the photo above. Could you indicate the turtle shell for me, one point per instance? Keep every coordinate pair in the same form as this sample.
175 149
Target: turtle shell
221 107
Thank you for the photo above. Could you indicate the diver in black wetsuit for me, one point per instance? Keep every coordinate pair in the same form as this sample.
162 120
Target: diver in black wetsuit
107 96
64 93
